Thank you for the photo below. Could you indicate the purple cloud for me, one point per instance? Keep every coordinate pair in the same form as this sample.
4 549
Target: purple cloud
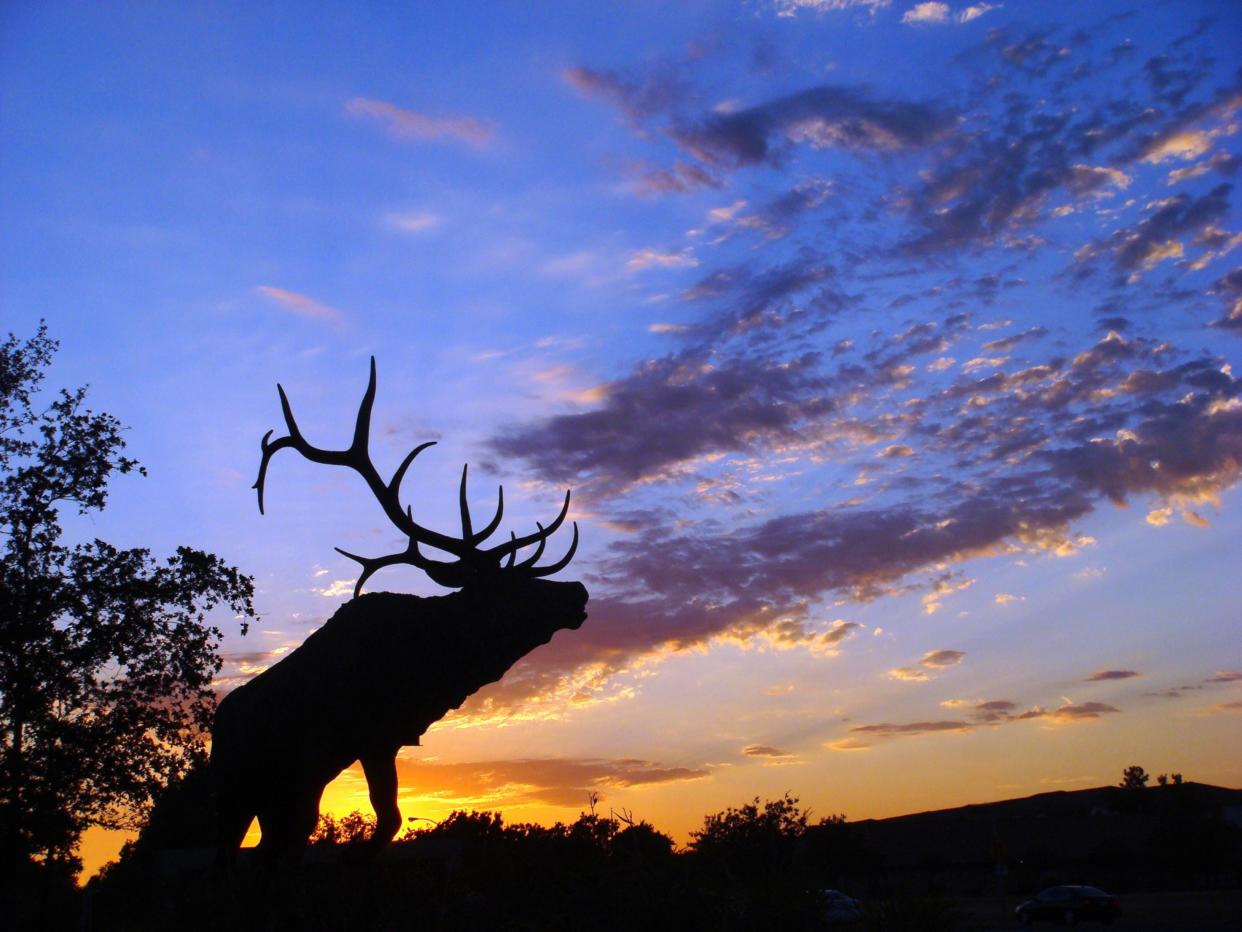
1112 675
763 750
820 117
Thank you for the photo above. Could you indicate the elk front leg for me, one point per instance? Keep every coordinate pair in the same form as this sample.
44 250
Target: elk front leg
380 768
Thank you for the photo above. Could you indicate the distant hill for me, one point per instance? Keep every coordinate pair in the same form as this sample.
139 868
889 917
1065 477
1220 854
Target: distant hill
1057 828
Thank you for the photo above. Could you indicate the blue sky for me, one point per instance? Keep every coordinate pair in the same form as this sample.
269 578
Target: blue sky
888 348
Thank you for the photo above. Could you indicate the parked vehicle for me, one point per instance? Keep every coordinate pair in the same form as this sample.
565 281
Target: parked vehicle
840 910
1069 905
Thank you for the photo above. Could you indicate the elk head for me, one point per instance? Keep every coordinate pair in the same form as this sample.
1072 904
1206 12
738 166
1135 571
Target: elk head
475 567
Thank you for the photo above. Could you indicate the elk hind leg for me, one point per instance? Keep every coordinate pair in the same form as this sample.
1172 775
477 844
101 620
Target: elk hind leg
287 824
380 769
233 819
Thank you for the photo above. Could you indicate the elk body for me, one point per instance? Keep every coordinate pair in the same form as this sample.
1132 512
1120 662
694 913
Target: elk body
385 667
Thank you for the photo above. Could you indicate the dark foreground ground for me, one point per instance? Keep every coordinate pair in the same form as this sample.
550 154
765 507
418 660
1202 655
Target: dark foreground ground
1216 911
1206 911
760 866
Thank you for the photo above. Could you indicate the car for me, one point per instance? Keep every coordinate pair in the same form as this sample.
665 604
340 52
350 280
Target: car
1069 905
840 910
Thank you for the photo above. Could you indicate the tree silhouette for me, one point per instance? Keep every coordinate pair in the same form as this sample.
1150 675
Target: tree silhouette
1134 778
106 654
753 839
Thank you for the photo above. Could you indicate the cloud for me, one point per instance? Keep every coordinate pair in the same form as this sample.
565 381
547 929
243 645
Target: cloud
1222 162
336 588
637 94
1159 517
975 10
942 658
1112 675
1080 712
698 410
994 710
895 451
777 217
890 730
1216 679
989 713
1056 139
718 580
682 177
930 12
1010 343
909 674
653 258
848 744
825 117
415 221
763 750
1004 598
409 124
793 7
1092 179
1159 235
773 376
1225 676
301 305
1229 287
840 631
496 784
935 13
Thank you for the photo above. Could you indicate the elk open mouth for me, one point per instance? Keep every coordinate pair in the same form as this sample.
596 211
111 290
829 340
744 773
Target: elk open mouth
582 612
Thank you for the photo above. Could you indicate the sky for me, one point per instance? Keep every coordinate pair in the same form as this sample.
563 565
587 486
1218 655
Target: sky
888 348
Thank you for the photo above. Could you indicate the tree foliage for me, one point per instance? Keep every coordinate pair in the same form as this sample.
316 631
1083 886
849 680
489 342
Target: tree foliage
774 824
1134 778
106 654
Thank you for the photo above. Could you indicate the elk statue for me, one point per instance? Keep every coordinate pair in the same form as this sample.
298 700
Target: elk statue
385 666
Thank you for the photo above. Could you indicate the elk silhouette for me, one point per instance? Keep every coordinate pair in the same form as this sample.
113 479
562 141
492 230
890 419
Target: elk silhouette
385 667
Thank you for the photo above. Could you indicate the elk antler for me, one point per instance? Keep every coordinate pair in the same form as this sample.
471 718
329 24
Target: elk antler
472 564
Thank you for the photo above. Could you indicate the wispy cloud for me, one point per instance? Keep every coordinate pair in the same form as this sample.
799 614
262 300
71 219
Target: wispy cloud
930 12
936 13
931 661
1225 676
763 751
983 714
975 10
301 305
942 658
1112 675
1219 678
825 117
890 730
409 124
1072 712
336 589
413 221
909 674
568 782
793 7
654 258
